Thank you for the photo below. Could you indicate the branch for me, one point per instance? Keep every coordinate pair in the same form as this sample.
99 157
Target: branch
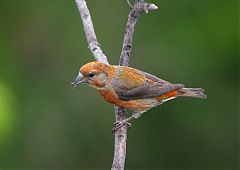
89 32
120 141
139 7
121 134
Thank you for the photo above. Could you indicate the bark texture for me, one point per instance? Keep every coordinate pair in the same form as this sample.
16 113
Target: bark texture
93 43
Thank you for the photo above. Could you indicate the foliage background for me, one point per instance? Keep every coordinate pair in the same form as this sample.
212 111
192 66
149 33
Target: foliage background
44 124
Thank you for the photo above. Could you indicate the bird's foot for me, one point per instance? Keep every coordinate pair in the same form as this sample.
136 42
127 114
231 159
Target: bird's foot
119 124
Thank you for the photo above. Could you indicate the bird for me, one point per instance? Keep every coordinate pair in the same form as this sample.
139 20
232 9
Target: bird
131 89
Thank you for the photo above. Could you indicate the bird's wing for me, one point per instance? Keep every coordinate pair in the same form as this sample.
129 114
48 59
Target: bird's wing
154 78
132 84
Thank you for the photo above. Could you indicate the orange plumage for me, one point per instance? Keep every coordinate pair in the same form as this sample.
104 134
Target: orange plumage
131 88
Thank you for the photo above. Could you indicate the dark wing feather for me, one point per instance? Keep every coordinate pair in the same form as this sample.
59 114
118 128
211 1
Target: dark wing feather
151 87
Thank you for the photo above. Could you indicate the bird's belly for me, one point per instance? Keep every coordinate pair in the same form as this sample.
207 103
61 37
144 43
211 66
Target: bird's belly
109 96
139 104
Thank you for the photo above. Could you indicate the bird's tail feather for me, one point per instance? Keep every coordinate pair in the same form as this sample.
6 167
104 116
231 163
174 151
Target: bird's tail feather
192 92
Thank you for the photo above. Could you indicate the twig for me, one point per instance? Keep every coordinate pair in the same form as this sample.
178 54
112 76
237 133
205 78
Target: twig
121 134
139 7
120 141
93 43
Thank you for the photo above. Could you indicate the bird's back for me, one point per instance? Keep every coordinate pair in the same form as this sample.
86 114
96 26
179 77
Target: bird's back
136 90
132 84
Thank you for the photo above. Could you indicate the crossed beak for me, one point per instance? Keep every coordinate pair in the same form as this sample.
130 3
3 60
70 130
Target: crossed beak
78 80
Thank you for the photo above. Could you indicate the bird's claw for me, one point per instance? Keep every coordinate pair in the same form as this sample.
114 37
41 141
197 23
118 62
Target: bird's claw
119 124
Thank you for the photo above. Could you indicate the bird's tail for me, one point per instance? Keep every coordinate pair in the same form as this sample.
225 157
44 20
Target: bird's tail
192 92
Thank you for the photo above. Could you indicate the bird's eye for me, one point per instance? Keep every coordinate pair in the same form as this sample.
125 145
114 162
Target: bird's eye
91 75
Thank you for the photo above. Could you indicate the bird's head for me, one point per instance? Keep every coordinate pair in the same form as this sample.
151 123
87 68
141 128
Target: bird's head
94 73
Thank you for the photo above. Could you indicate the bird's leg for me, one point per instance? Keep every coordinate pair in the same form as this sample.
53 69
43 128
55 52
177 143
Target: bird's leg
137 114
119 124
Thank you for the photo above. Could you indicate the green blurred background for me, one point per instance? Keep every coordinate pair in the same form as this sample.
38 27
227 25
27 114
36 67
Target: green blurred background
44 124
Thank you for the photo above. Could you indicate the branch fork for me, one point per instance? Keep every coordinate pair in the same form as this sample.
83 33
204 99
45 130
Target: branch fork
139 7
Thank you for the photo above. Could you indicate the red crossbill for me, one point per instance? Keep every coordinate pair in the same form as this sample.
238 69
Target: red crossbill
130 88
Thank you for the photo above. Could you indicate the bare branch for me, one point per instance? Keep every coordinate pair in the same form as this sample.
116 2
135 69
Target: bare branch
120 141
89 32
121 134
139 7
